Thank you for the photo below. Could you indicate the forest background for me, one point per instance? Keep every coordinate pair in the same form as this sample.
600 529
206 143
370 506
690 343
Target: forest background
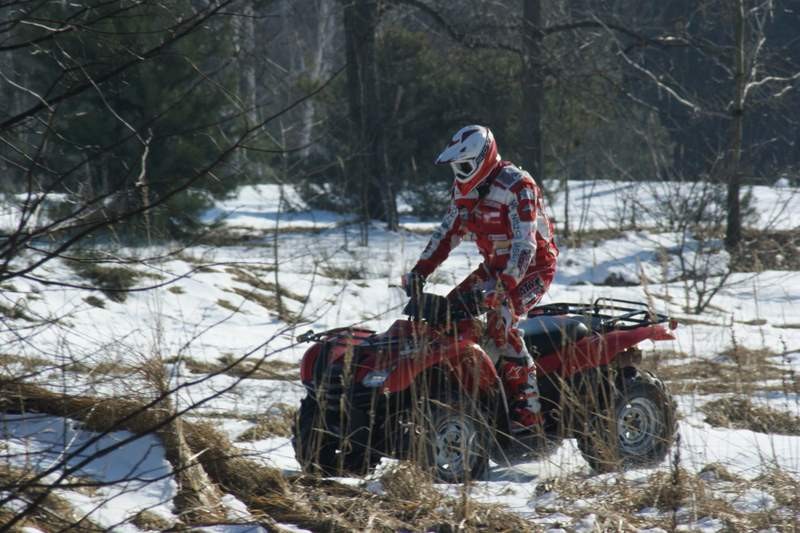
141 112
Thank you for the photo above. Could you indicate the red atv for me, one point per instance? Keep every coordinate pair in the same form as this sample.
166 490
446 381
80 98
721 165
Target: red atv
425 389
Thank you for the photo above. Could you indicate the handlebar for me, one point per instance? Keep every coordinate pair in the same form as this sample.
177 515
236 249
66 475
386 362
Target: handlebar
438 310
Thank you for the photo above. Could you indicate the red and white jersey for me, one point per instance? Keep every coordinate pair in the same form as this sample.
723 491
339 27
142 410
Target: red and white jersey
507 222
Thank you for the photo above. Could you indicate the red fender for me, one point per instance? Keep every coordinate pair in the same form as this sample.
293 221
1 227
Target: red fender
598 349
344 338
466 360
476 365
307 363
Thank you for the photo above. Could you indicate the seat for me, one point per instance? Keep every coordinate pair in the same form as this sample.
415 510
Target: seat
546 334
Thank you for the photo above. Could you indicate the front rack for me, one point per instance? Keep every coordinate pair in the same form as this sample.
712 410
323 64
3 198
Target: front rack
609 313
338 333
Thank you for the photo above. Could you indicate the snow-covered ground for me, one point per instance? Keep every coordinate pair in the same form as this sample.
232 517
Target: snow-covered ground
207 312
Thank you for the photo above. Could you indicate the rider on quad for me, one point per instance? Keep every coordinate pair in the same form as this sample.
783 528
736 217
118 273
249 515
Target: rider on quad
499 206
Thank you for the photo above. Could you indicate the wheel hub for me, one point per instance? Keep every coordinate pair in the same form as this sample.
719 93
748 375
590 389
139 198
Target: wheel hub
453 441
638 423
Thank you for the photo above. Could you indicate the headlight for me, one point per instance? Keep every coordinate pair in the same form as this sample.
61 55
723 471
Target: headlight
376 378
414 348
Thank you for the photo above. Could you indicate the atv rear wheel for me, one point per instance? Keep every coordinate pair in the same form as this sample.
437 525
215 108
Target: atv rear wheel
458 439
637 432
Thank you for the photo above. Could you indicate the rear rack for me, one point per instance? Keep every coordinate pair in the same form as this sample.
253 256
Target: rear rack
608 313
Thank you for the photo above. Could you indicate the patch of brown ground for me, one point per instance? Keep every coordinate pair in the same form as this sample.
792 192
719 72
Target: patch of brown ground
260 369
54 513
769 250
277 422
741 413
738 370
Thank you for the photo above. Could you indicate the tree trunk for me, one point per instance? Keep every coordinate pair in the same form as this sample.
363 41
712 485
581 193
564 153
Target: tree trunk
11 178
532 89
368 164
245 40
319 69
733 231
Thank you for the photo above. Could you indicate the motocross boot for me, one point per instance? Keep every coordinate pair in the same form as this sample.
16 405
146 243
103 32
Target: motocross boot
523 394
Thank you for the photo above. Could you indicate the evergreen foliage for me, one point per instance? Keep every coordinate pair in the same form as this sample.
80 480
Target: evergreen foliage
134 137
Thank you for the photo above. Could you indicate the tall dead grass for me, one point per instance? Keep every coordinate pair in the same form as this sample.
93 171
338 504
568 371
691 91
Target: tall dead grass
54 513
319 505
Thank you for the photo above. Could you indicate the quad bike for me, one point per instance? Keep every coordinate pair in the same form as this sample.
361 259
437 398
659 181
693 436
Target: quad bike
425 389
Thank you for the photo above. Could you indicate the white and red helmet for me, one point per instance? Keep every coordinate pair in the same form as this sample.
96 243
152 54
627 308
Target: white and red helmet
472 153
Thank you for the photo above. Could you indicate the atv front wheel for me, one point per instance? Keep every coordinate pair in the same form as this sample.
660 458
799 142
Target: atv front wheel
319 447
637 432
457 440
314 447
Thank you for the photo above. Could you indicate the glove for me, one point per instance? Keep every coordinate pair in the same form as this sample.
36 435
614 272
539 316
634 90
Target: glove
412 283
493 298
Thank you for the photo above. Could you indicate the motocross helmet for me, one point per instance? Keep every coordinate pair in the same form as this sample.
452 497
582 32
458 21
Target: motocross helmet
472 154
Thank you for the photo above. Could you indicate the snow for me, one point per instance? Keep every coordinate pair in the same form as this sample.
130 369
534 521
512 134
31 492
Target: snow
347 284
276 452
745 453
133 470
264 207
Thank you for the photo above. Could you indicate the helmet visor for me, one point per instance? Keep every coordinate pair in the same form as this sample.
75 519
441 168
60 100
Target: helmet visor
463 170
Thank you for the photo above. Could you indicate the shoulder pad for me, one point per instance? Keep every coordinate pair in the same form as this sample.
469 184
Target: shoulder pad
510 176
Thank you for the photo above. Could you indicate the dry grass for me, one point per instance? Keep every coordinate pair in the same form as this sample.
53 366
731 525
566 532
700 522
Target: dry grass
195 501
787 326
717 472
654 359
94 301
769 250
237 235
261 369
674 499
741 413
27 363
54 513
150 521
275 423
112 281
596 236
667 491
268 302
746 357
753 322
226 304
611 499
32 364
16 311
102 368
735 370
346 272
244 276
693 321
785 488
407 482
410 503
310 503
